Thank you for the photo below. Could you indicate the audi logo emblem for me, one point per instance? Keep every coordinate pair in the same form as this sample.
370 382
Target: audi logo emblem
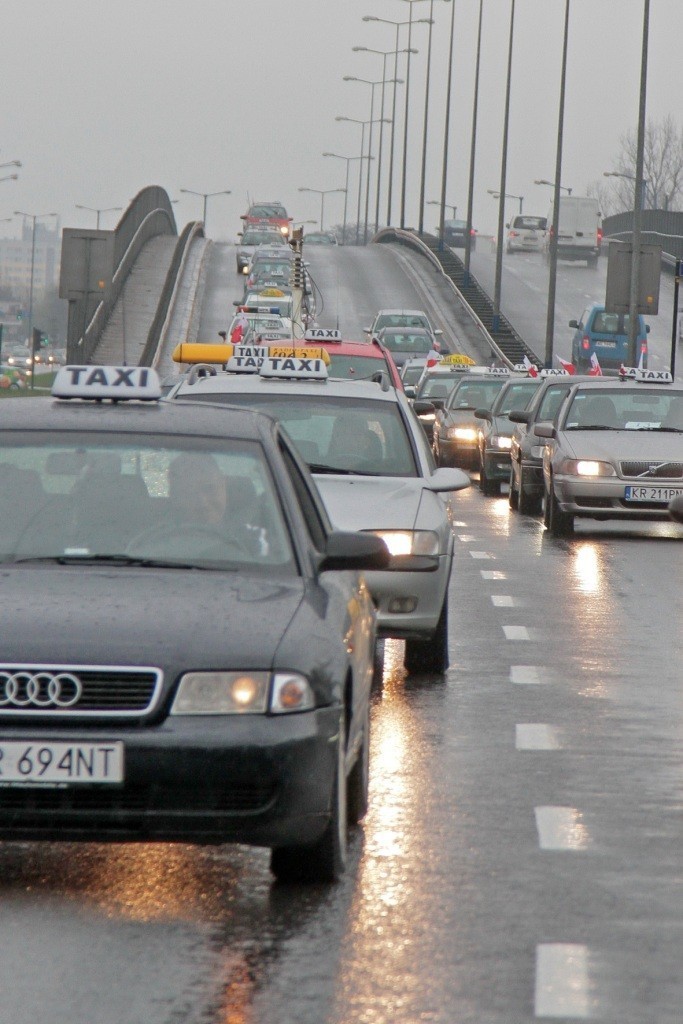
39 690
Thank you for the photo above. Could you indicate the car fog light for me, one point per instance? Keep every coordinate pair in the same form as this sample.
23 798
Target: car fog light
402 605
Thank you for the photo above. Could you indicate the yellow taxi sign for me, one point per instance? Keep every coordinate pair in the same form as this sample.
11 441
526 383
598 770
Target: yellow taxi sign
271 293
198 353
456 359
289 352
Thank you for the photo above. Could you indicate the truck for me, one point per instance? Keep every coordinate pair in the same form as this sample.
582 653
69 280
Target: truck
580 230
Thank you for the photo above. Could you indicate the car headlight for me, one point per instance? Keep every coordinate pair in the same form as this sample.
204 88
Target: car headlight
284 230
410 542
463 433
240 693
586 467
501 441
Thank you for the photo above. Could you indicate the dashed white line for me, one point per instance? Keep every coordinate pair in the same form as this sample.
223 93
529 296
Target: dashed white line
480 554
516 633
502 600
525 675
561 828
492 574
562 983
466 538
537 736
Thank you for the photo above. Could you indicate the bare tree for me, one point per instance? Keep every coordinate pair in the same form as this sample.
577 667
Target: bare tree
601 191
662 168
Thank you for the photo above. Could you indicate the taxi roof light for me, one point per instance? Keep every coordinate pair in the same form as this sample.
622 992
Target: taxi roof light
116 383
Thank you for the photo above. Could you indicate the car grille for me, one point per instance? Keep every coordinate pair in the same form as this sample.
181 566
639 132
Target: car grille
134 799
77 691
652 470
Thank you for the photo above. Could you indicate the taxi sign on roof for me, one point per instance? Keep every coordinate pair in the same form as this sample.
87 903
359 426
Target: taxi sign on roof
322 334
119 383
187 353
271 293
294 367
654 377
456 359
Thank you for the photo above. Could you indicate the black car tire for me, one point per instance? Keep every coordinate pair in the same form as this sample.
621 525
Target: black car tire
513 494
559 524
324 861
487 486
528 504
378 665
358 783
430 655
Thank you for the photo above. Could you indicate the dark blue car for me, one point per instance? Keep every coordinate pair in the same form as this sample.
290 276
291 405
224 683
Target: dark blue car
606 335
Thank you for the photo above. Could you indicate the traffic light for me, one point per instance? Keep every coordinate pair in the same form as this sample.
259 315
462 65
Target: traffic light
38 339
20 314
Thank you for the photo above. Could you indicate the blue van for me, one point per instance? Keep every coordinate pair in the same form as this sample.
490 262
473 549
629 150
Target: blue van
607 335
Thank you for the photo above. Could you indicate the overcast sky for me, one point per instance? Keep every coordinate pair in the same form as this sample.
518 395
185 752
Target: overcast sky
102 98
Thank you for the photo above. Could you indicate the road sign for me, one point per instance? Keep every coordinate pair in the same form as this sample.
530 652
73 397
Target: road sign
87 265
618 293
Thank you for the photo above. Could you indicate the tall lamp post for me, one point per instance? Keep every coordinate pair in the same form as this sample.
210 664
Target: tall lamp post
384 54
449 206
629 177
205 196
348 160
496 195
407 108
33 217
322 192
544 181
446 138
356 120
503 172
426 116
473 146
101 210
366 81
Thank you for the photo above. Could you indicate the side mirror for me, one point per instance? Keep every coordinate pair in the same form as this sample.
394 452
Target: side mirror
243 216
507 225
236 302
410 390
438 403
345 551
423 408
676 508
483 414
647 328
447 479
437 332
519 416
574 324
367 330
544 429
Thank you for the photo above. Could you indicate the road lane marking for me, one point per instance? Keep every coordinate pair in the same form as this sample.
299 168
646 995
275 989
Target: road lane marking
525 675
516 633
480 554
466 538
537 736
561 828
502 600
492 574
562 986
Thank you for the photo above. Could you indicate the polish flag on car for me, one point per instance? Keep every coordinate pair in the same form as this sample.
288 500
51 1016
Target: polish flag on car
530 368
569 367
596 369
238 331
433 357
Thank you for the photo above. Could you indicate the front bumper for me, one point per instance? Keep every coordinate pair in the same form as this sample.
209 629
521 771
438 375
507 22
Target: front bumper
256 779
459 453
497 464
604 499
428 589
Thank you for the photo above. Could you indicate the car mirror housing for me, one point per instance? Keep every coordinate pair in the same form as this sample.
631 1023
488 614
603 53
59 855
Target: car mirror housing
423 407
483 414
447 479
544 429
410 391
518 416
574 324
347 551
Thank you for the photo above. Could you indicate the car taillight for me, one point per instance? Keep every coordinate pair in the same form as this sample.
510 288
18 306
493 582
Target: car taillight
585 342
513 234
643 347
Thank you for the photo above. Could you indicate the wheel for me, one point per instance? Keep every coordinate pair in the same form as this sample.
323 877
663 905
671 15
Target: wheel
378 665
559 524
358 782
513 494
325 860
529 504
430 655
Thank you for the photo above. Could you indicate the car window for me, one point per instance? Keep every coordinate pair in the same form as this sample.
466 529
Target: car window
514 397
259 237
317 529
356 367
635 408
529 223
406 342
437 386
476 394
551 402
212 504
401 320
268 210
607 323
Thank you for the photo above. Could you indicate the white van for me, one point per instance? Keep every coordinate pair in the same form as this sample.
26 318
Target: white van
580 232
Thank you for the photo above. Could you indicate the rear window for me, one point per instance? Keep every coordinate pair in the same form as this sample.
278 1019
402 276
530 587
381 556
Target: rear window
529 223
414 343
401 320
268 210
355 367
476 394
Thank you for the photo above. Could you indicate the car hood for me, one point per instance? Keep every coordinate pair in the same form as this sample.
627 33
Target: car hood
84 615
623 445
372 503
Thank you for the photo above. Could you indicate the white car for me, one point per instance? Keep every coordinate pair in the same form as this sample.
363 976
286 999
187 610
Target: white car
376 473
525 234
400 318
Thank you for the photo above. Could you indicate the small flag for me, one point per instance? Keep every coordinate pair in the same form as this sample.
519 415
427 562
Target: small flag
530 368
596 369
641 361
569 367
433 357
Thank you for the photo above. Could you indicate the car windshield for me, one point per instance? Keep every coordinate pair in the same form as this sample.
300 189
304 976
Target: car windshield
81 497
356 367
400 341
630 408
347 436
475 394
401 320
412 374
611 323
516 396
437 385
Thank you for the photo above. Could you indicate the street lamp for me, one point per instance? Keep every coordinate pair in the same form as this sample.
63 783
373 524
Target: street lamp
473 143
33 217
496 195
437 202
426 116
367 81
356 120
12 163
398 25
9 177
503 171
94 209
384 54
629 177
544 181
405 122
322 192
348 159
205 196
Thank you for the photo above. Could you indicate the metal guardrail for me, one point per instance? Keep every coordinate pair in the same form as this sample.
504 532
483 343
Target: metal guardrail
659 227
169 291
505 345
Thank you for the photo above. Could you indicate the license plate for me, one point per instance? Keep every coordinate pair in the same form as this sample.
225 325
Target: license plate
658 494
36 762
605 344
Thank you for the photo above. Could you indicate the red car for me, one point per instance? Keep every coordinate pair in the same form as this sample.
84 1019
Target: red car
268 213
354 360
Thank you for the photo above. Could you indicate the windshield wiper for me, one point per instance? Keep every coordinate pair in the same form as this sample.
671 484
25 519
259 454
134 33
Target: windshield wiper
317 467
109 559
592 426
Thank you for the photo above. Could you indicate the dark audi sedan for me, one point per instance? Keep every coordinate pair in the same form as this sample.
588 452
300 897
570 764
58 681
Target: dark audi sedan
187 645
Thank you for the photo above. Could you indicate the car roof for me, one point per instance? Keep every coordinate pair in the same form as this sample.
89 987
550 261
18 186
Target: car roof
246 383
404 329
400 312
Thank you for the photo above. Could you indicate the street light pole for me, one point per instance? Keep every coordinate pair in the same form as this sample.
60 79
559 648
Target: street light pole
205 196
426 116
93 209
544 181
473 147
33 217
638 191
322 192
503 172
444 169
